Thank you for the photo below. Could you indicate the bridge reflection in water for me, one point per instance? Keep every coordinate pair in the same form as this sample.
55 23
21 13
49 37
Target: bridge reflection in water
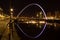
33 27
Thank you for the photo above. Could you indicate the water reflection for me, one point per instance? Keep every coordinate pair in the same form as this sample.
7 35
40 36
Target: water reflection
31 29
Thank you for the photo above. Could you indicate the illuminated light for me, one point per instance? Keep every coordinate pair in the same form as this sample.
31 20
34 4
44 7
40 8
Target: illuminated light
37 15
40 13
8 28
27 22
41 21
11 9
2 16
1 9
50 17
37 24
55 24
22 19
33 22
30 22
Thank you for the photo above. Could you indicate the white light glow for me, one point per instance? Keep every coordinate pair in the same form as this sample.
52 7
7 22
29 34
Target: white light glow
11 9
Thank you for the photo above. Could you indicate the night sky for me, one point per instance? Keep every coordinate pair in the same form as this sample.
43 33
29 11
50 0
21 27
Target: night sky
48 5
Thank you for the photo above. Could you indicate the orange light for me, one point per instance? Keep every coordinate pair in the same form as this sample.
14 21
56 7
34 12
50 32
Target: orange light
50 17
41 21
33 22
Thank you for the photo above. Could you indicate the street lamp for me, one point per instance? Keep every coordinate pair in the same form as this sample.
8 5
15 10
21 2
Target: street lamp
11 9
11 12
11 24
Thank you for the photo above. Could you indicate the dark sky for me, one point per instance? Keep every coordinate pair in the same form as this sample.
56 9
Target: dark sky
48 5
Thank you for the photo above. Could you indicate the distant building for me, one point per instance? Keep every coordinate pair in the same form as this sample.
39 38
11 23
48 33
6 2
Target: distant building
57 14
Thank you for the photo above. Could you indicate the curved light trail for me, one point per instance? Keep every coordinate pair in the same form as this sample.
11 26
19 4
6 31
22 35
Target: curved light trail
44 25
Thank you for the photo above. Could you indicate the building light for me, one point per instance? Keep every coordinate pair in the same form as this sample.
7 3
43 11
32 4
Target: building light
41 21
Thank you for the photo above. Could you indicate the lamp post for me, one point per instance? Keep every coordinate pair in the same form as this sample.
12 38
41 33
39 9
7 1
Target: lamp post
11 25
11 12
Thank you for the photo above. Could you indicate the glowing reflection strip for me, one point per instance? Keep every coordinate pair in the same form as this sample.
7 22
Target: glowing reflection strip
27 34
44 15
